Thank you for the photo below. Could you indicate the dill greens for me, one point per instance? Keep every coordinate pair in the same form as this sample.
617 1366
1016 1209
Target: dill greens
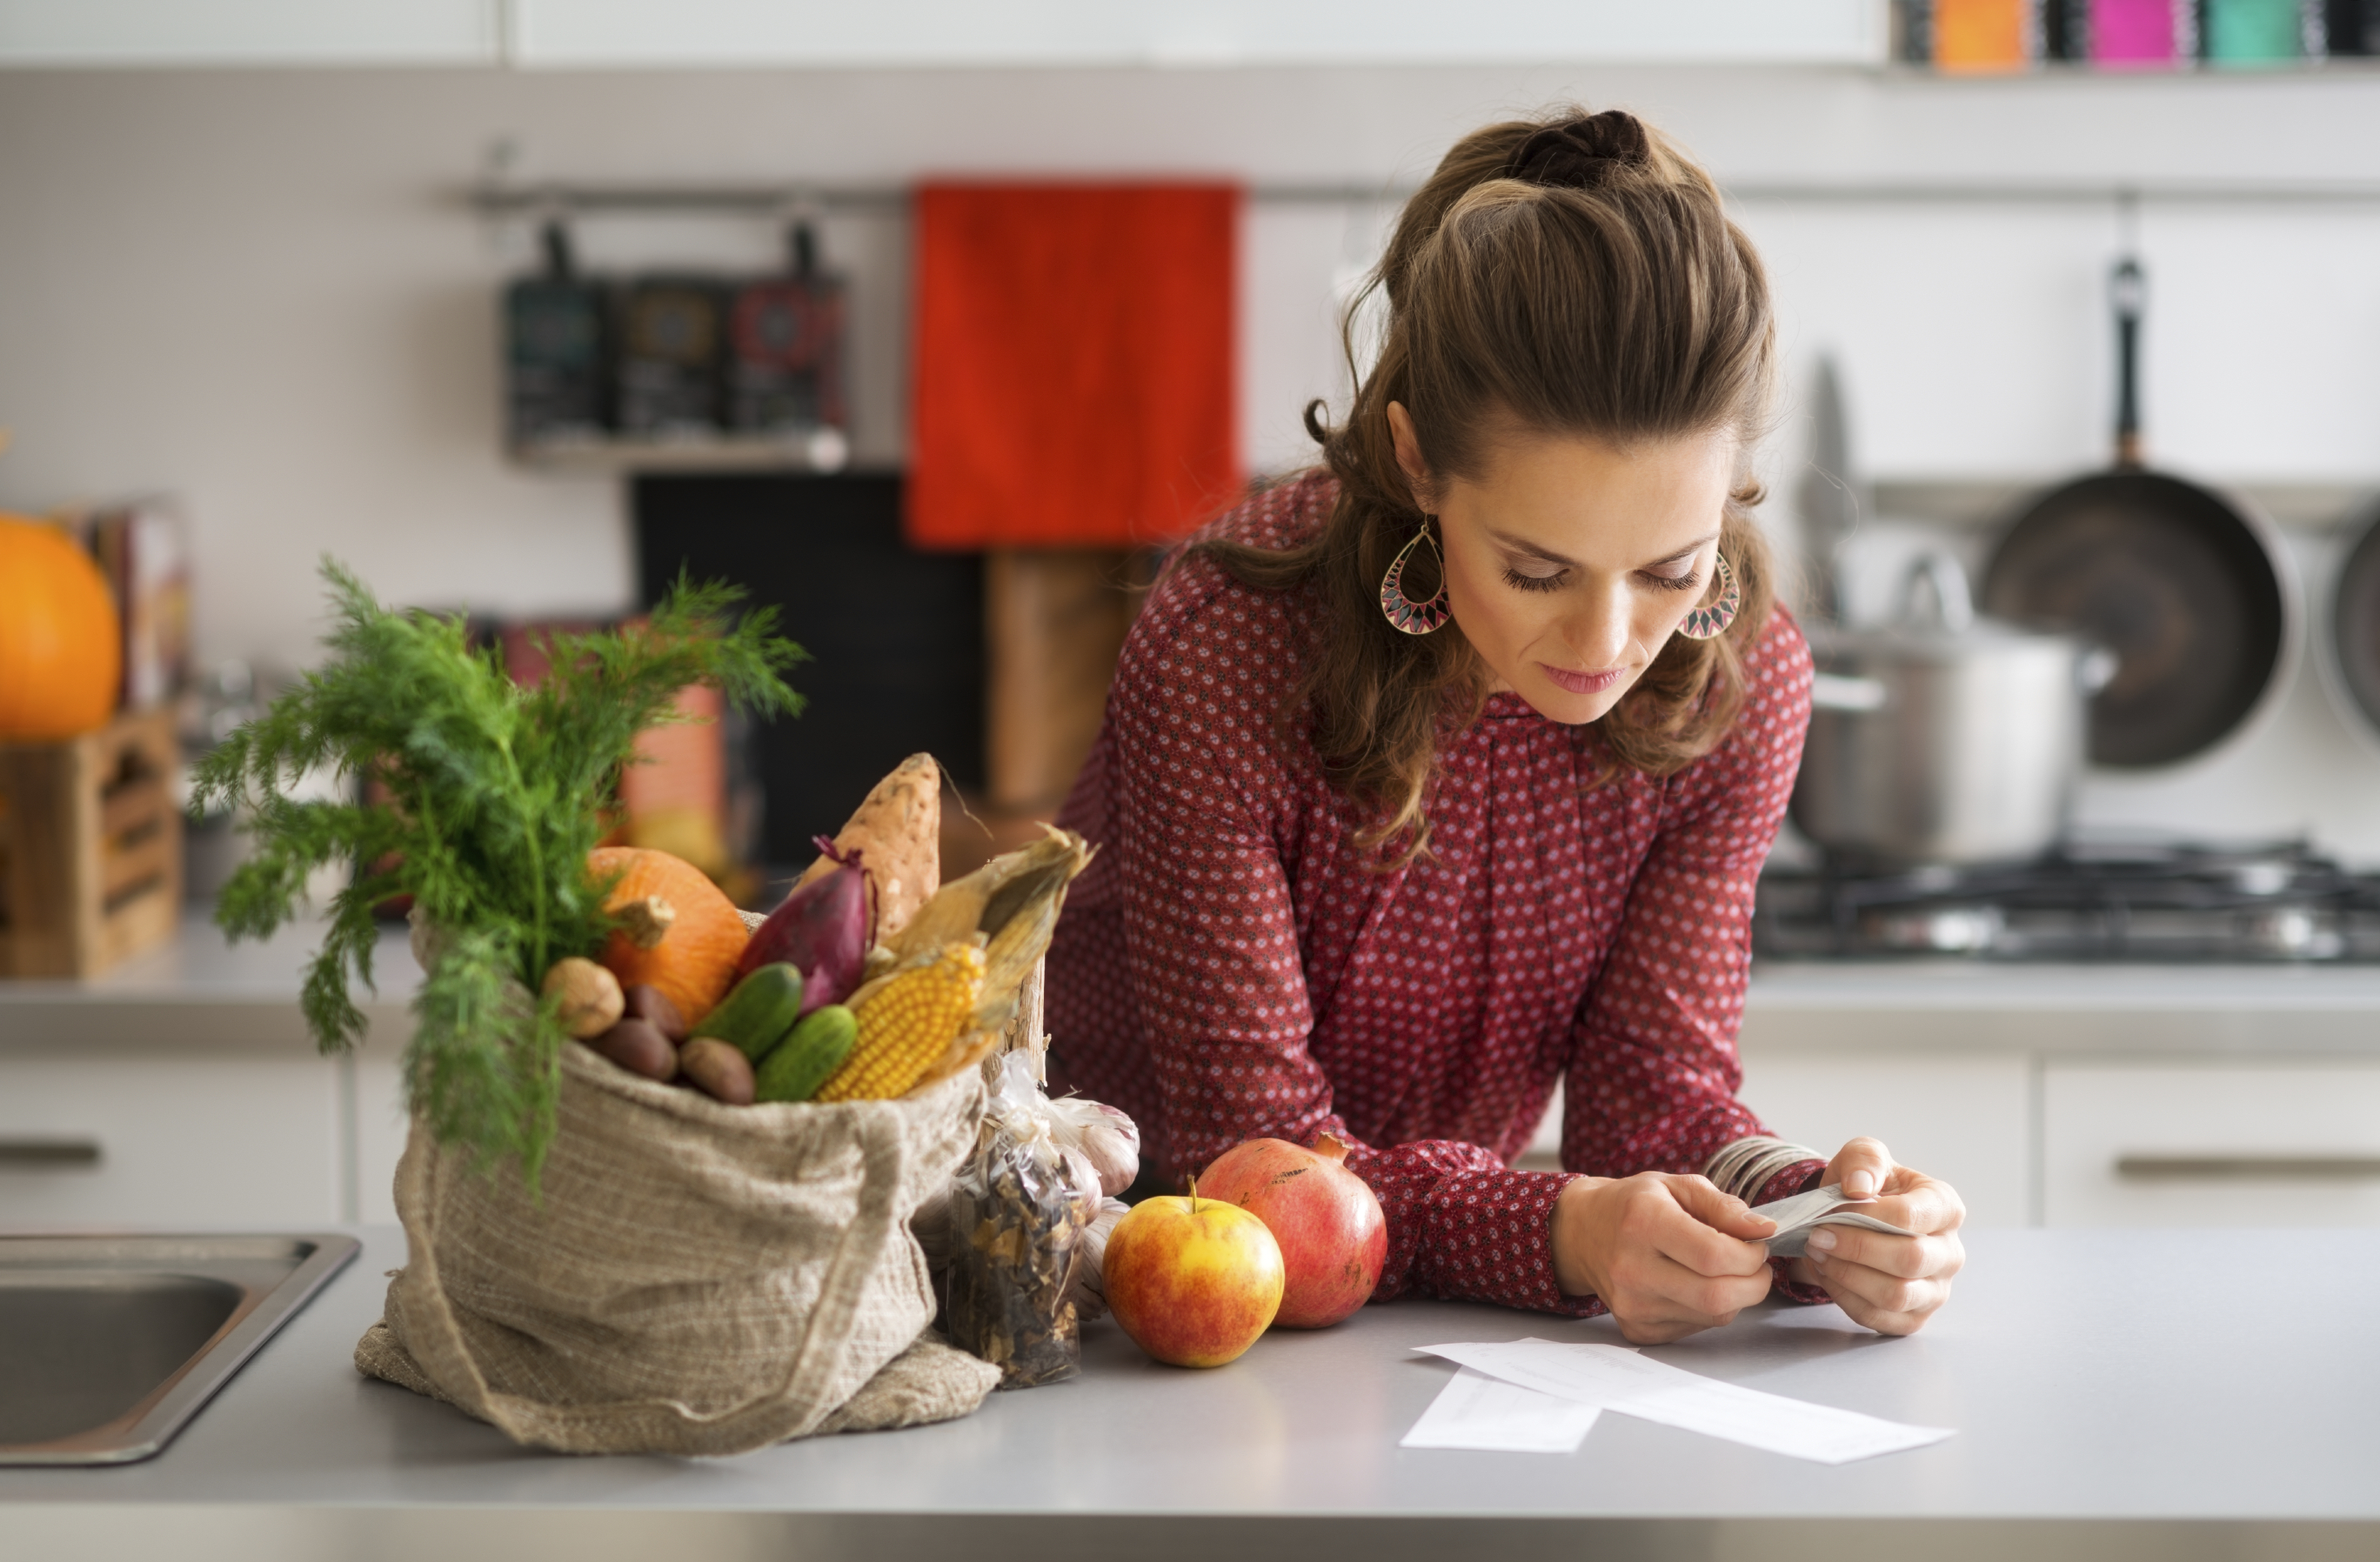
495 796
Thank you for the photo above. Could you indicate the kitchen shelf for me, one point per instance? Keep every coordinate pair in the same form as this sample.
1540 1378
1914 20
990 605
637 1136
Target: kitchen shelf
1992 502
820 450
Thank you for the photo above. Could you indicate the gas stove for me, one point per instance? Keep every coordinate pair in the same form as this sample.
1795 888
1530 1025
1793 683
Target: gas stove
2109 901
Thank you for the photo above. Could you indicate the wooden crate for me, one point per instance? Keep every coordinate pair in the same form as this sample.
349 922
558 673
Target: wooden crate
91 848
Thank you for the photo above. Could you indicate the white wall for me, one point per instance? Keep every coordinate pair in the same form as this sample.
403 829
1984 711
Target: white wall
258 289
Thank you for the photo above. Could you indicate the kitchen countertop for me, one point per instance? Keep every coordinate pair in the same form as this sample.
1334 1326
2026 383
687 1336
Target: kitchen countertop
201 992
1943 1006
2082 1382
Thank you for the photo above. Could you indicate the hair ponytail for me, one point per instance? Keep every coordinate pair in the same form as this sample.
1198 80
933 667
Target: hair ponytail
1576 274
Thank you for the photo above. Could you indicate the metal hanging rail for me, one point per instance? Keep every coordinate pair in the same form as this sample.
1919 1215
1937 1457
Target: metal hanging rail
525 199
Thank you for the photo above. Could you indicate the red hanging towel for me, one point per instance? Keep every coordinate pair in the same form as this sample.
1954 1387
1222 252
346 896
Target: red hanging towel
1076 364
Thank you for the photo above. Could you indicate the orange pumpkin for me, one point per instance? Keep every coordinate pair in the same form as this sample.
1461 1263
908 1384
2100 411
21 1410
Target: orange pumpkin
693 960
61 648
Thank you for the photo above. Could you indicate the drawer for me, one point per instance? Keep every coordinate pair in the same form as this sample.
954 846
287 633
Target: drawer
378 1136
1966 1120
2170 1143
225 1143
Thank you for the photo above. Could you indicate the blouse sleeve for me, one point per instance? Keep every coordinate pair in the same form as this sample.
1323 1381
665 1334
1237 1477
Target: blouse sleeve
1654 1071
1210 939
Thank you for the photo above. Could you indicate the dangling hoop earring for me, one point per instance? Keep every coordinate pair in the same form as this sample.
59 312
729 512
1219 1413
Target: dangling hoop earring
1411 617
1710 623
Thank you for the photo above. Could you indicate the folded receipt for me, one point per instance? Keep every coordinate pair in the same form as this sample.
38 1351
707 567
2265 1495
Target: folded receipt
1593 1378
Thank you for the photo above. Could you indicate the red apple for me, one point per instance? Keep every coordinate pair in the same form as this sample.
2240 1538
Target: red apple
1193 1280
1333 1238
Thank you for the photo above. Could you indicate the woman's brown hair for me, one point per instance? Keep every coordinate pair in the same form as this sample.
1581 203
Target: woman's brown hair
1572 275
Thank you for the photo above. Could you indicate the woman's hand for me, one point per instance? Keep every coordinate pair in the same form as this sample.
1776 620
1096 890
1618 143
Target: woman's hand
1891 1284
1668 1254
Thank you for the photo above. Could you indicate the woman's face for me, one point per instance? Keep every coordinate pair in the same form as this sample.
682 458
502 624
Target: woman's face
1570 561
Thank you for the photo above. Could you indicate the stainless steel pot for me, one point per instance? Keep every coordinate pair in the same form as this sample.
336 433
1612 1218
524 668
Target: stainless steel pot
1945 738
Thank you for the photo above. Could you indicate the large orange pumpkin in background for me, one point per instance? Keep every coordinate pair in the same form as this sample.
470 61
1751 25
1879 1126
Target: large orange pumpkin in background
61 651
694 962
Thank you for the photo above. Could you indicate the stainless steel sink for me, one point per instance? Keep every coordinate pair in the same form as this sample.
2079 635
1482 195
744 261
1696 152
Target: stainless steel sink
108 1345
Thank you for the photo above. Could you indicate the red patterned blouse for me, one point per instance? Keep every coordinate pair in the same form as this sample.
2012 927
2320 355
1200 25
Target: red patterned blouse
1229 967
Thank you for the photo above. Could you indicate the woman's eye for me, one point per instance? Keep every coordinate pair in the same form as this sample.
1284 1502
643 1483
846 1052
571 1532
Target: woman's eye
1519 582
1686 582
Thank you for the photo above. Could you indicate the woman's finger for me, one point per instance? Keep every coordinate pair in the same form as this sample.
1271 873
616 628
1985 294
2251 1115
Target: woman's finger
1669 1302
1683 1241
1878 1294
1925 1203
1722 1213
1861 1166
1907 1258
1715 1296
1921 1211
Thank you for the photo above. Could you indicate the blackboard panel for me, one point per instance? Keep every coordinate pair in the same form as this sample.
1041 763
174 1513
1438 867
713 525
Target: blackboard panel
897 636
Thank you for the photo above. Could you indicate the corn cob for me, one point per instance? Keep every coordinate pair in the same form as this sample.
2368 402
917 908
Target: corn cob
908 1024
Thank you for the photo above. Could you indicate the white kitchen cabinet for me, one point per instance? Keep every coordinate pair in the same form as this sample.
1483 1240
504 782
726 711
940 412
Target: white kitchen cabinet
1126 33
2174 1143
217 1142
379 1137
246 32
1965 1119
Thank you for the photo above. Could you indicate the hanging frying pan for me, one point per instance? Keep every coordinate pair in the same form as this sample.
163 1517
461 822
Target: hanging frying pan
2350 660
2191 589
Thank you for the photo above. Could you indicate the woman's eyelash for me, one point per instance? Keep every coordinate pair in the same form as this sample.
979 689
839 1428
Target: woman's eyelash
1555 582
1519 582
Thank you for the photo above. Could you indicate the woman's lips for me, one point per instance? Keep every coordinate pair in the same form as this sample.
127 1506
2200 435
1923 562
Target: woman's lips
1582 683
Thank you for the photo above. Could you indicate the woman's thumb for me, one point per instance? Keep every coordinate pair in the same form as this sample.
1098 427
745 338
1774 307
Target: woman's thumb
1720 1212
1860 1167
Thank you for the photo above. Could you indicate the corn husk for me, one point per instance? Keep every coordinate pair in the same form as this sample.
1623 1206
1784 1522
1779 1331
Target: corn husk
1013 902
988 899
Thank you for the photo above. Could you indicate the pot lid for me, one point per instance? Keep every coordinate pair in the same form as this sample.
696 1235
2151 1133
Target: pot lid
1938 622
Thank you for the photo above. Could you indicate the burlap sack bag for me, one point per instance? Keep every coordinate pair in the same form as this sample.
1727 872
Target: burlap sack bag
697 1279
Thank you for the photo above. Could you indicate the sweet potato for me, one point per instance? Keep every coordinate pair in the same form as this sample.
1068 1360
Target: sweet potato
718 1070
900 828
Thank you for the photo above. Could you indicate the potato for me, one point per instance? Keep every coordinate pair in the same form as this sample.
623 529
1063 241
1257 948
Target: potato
591 1002
638 1046
649 1003
720 1070
899 828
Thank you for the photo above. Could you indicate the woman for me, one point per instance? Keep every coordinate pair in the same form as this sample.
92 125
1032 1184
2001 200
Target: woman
1445 772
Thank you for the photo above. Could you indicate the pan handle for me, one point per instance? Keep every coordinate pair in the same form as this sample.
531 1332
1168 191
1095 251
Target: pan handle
2127 291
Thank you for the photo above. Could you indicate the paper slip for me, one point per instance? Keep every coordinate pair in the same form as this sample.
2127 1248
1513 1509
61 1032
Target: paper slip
1615 1378
1478 1412
1798 1216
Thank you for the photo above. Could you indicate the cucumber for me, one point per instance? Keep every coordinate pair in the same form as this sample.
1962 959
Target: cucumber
801 1062
757 1014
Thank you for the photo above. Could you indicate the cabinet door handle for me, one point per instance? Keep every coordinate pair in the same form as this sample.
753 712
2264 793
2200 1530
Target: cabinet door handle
2248 1168
34 1155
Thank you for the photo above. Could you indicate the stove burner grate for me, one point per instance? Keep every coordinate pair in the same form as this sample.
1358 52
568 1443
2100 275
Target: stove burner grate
2125 902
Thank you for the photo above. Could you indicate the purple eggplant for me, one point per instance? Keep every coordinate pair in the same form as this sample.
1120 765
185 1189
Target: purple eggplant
821 932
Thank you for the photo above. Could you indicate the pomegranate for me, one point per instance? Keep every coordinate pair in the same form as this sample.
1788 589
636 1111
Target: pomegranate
1332 1236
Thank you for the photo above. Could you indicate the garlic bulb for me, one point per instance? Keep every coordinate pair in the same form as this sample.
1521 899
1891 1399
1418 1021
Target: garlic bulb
1106 1135
1086 1289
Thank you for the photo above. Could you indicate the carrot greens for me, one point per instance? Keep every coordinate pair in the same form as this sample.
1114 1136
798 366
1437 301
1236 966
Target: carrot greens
494 794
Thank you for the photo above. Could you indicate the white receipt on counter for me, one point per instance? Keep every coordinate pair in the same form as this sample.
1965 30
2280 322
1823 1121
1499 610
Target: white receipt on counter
1476 1411
1612 1377
1798 1216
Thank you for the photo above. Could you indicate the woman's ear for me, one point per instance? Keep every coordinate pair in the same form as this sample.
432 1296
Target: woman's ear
1409 461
